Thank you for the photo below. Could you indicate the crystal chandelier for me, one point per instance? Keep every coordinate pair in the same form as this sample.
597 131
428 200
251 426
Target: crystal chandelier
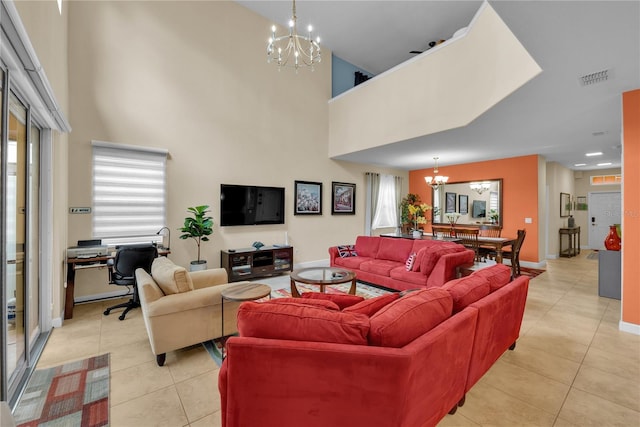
293 49
436 181
480 187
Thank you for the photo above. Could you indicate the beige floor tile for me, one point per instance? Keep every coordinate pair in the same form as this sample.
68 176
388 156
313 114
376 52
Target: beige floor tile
586 409
624 391
561 422
554 341
456 420
213 420
199 395
62 349
623 365
131 354
541 362
536 390
128 333
486 405
136 381
160 408
610 338
189 362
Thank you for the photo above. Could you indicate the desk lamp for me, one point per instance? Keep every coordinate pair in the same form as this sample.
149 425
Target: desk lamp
168 237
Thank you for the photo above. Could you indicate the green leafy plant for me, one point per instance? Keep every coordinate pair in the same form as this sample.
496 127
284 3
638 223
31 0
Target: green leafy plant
410 200
197 227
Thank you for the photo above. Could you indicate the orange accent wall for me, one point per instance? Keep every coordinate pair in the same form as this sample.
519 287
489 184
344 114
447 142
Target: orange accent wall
519 193
631 206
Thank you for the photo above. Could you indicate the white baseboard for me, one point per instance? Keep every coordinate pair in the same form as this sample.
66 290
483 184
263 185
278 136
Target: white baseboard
56 322
106 295
318 263
631 328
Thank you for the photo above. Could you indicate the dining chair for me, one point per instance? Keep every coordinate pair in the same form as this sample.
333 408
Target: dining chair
488 230
469 238
514 253
443 230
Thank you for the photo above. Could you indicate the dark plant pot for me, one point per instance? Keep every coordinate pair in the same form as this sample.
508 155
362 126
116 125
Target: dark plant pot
198 265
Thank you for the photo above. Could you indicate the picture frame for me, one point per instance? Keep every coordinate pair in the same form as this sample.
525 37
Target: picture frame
450 203
581 203
463 204
343 198
308 198
565 205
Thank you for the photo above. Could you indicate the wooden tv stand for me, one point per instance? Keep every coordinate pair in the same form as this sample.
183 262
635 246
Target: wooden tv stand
249 263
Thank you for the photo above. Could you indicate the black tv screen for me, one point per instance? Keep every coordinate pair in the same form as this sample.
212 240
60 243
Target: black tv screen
251 205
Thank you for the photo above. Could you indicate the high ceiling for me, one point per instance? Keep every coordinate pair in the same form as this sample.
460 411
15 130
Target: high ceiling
553 115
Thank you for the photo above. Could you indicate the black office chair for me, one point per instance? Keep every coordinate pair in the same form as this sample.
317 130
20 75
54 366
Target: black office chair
122 271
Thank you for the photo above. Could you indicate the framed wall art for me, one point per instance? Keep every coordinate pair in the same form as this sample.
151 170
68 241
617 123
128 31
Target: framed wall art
565 205
308 198
343 198
463 204
450 203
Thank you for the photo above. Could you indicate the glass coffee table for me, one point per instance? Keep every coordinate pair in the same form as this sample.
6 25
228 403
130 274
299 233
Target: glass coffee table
322 276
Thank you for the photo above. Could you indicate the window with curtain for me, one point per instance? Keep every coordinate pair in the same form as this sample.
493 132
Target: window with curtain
129 193
386 212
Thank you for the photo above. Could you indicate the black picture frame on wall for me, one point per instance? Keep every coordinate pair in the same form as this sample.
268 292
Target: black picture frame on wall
463 204
343 198
308 199
450 202
565 205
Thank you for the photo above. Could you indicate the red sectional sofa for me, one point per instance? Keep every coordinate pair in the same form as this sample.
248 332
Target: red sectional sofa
400 360
383 261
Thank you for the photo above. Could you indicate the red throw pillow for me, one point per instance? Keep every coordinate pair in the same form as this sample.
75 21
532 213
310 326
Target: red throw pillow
299 322
466 290
342 300
497 275
399 323
310 302
370 306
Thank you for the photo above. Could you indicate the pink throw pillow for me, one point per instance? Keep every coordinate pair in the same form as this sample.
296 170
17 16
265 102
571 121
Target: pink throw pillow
342 300
409 264
299 322
371 306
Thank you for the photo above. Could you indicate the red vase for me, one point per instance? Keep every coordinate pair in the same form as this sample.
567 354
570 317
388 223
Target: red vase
612 241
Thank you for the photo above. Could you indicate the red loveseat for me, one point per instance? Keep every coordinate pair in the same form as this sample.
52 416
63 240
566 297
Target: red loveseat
383 261
406 364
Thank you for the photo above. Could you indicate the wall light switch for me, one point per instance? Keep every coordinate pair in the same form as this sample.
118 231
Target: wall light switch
528 221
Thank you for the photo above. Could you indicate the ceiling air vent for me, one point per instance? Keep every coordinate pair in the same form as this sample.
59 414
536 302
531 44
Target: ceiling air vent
593 78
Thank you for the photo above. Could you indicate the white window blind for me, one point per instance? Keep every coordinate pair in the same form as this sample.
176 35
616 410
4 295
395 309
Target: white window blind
129 192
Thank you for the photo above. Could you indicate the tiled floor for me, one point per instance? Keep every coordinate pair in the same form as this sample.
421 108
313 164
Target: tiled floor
571 366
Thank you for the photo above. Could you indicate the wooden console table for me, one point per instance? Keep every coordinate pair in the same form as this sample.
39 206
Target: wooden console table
572 247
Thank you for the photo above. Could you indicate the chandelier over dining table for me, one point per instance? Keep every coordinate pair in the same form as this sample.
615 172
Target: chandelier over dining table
293 49
438 180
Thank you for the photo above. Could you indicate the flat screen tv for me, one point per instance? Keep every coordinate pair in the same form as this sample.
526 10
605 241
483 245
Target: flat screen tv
479 209
251 205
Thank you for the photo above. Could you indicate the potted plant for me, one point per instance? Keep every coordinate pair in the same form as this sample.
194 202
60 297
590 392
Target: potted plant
419 216
198 227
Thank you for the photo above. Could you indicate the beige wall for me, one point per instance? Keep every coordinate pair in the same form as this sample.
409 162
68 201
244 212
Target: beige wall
559 180
195 80
47 30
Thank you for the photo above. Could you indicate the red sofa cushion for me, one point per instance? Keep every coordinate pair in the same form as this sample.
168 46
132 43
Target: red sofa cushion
394 249
299 322
466 290
416 278
405 319
497 275
367 246
352 262
341 300
311 302
381 267
432 254
371 306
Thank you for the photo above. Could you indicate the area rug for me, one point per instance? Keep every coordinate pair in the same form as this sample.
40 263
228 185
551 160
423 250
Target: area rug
531 272
73 394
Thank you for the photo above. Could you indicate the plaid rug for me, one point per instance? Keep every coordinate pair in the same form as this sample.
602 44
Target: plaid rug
73 394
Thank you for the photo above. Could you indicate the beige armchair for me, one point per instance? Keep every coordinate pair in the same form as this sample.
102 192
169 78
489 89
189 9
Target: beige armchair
182 308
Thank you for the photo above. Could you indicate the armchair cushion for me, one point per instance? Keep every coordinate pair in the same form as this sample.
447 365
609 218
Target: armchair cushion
370 306
498 275
307 301
342 300
171 278
301 323
466 290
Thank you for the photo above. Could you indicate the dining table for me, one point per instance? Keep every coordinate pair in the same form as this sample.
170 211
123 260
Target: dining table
496 243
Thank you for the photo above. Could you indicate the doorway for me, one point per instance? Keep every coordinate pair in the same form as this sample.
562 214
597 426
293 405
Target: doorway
605 209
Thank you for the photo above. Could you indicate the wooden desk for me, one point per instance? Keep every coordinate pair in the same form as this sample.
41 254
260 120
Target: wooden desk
74 264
